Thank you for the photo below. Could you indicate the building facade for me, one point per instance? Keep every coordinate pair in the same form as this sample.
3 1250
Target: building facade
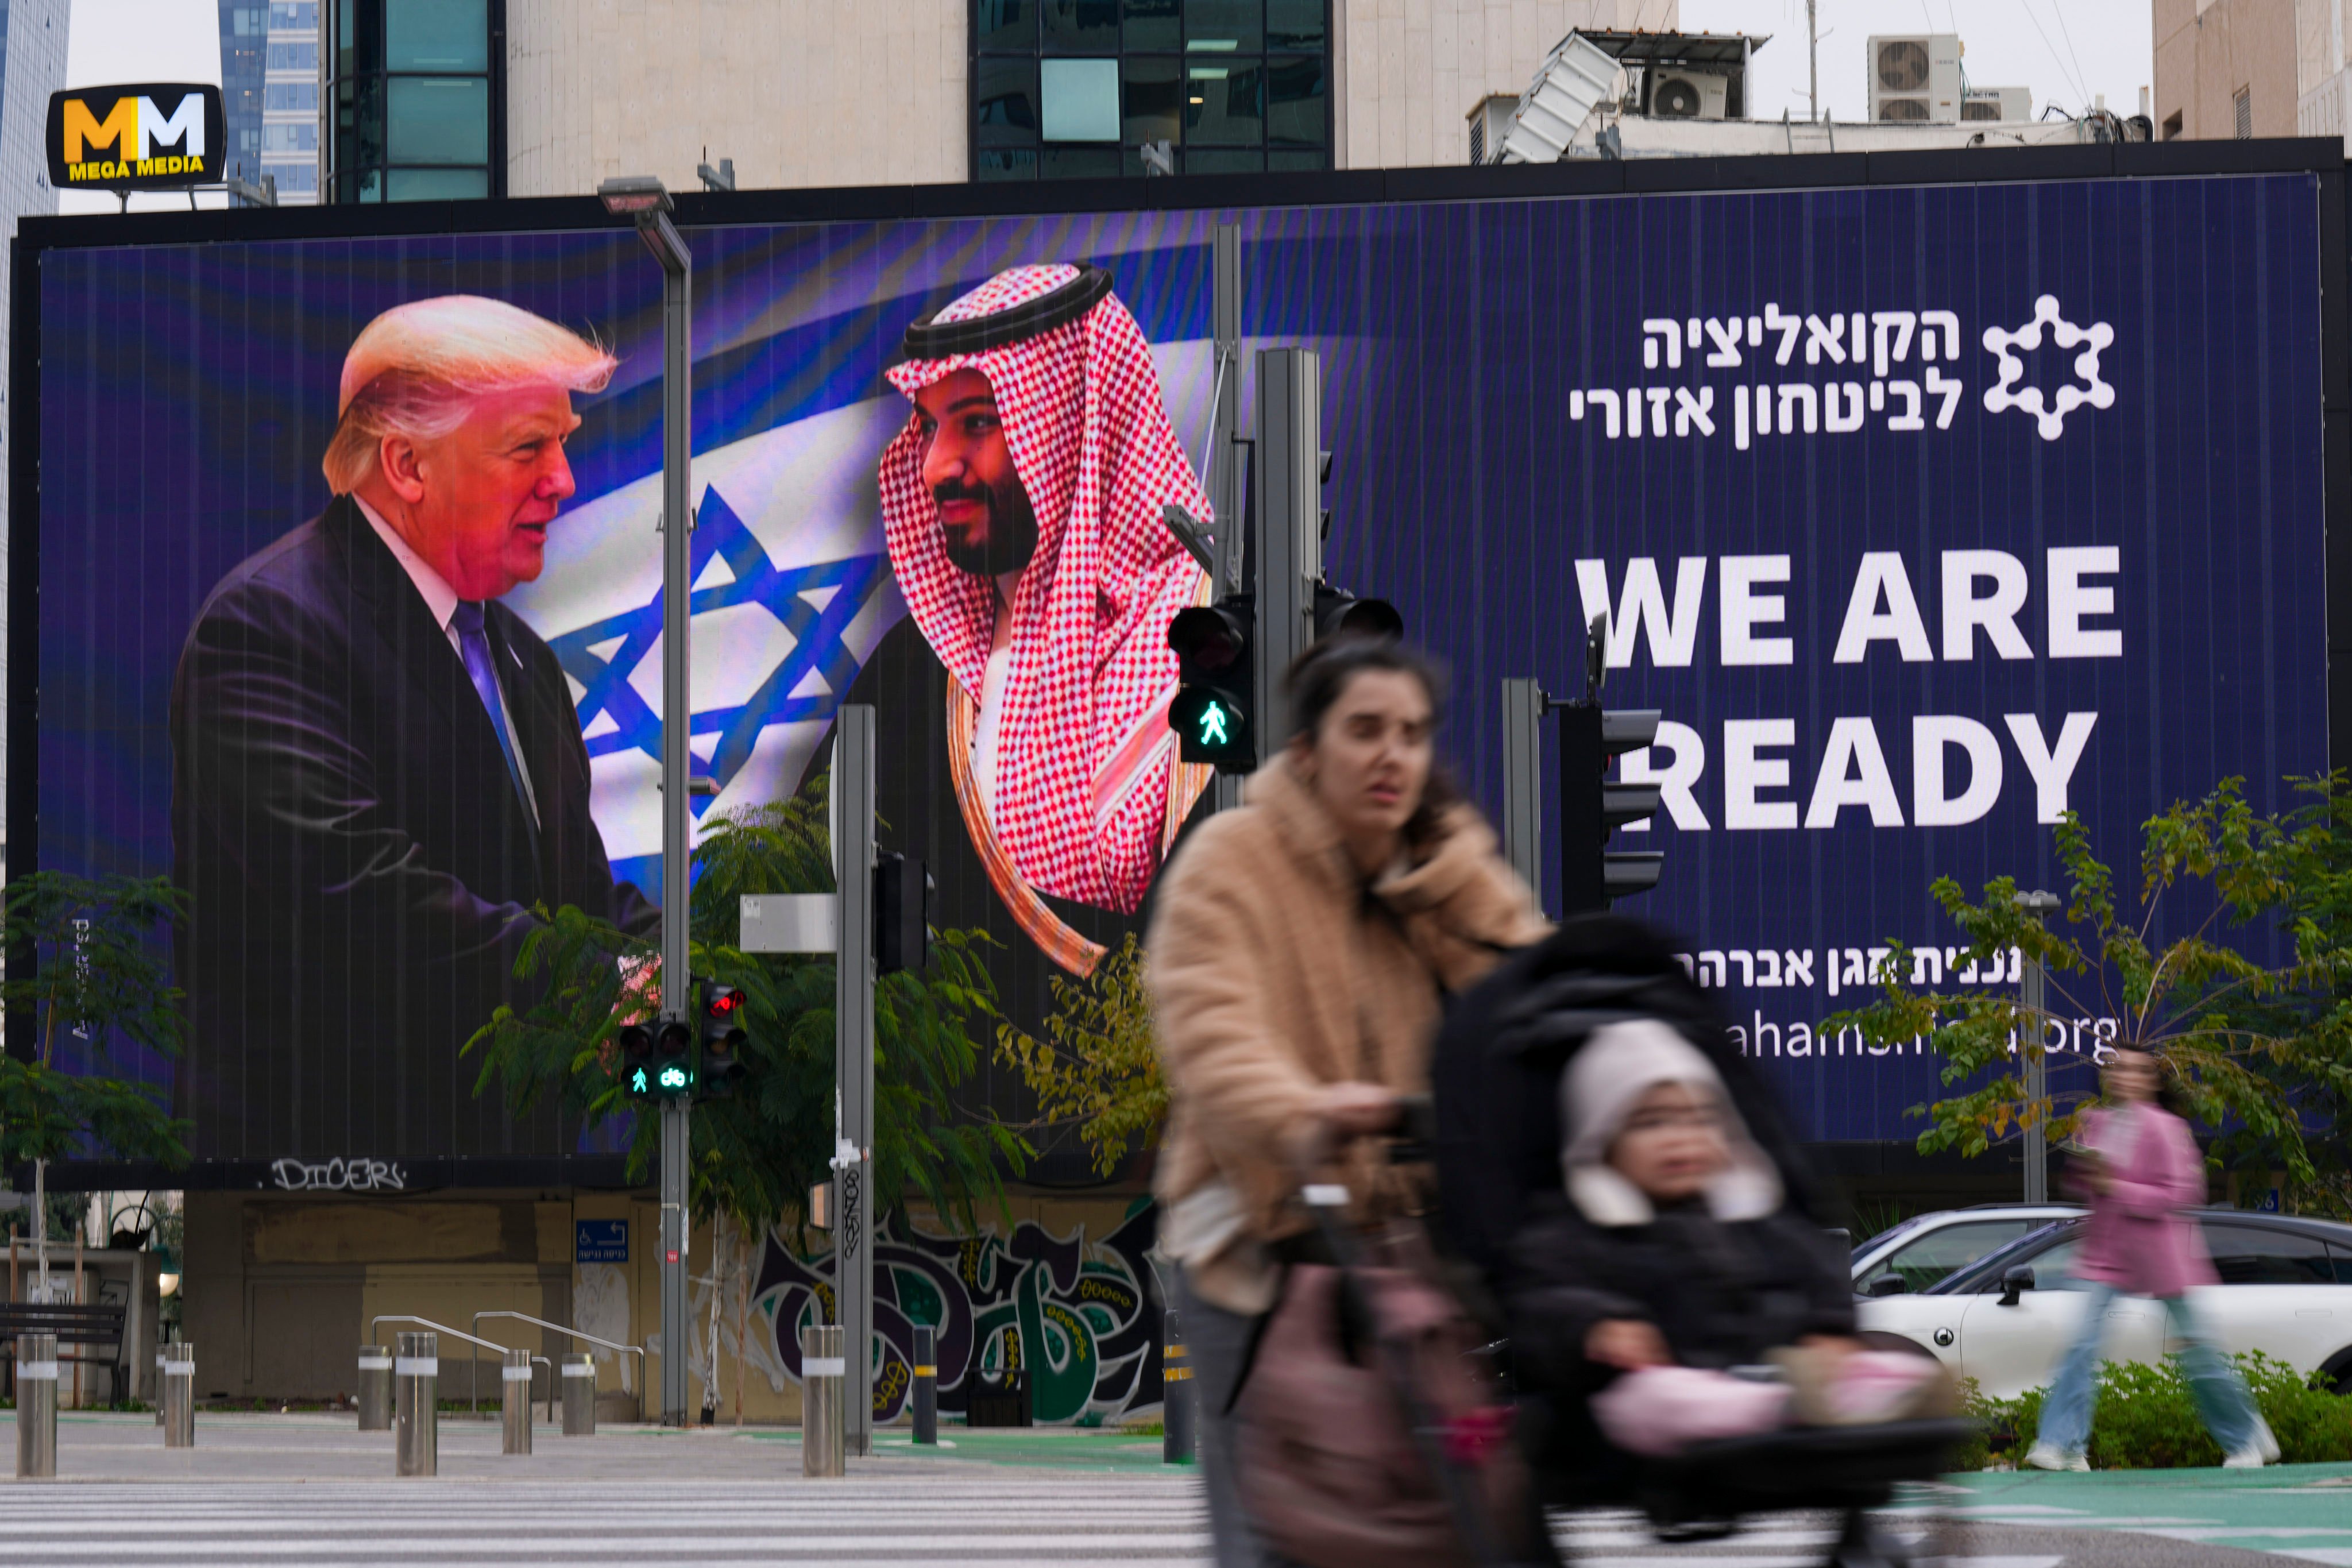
2227 69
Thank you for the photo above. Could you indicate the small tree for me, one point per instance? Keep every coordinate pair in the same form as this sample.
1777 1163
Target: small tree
84 964
1098 1068
757 1152
2260 1045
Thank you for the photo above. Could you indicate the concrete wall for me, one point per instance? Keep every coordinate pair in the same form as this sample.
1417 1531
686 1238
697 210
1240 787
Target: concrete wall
2207 51
798 92
1410 70
2322 69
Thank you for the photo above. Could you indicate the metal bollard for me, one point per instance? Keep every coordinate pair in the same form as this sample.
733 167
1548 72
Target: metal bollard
579 1393
1176 1393
375 1388
36 1406
179 1404
417 1413
821 1368
514 1421
159 1387
926 1384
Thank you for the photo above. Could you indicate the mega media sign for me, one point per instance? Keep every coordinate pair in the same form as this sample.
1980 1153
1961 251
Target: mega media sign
1922 513
150 136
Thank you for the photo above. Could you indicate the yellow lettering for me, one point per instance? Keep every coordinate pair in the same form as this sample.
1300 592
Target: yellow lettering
118 130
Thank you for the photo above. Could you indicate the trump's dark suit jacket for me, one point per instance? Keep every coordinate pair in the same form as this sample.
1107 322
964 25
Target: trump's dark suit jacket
359 870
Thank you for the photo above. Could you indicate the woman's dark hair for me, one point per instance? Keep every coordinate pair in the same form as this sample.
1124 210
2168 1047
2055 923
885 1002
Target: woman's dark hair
2171 1091
1318 678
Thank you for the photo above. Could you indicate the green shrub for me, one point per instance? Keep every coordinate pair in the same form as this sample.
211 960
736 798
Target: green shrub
2145 1417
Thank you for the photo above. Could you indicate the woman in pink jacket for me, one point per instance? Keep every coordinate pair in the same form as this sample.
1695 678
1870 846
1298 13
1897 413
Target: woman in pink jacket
2141 1175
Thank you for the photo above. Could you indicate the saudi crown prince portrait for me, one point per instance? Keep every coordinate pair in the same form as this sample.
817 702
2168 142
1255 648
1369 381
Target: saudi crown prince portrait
378 774
1022 507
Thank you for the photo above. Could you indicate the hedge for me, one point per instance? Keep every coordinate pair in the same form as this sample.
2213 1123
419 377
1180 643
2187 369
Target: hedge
2145 1417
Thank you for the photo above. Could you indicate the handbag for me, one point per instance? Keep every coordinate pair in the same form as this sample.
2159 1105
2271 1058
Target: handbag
1331 1474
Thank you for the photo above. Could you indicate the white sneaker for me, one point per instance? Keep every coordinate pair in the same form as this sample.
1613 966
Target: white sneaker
2046 1458
2260 1449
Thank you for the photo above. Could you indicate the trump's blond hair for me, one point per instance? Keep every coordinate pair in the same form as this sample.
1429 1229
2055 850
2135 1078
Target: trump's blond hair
419 368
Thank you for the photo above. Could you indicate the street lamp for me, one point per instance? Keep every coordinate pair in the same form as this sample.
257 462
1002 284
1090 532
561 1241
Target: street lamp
2033 1002
644 202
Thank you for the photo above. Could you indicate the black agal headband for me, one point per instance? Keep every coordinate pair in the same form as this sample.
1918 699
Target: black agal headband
927 337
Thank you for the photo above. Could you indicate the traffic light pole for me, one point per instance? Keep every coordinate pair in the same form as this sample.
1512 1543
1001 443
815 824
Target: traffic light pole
1524 704
677 805
1226 477
852 1062
1287 548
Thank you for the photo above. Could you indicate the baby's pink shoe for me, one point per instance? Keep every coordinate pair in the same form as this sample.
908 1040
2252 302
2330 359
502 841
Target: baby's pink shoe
1660 1410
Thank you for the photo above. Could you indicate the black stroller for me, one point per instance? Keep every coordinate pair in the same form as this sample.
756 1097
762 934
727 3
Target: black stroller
1496 1135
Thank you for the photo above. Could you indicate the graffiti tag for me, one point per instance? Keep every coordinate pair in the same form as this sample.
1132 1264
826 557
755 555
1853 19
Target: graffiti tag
338 1177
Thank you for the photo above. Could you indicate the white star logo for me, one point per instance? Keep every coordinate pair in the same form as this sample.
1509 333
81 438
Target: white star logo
2050 418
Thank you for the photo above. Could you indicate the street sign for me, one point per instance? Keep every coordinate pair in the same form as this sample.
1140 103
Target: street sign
600 1241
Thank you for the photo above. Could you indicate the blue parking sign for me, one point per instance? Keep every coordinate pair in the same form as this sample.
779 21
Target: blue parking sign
600 1240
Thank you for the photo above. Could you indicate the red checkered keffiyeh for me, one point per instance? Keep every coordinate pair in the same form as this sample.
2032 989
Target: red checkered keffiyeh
1083 748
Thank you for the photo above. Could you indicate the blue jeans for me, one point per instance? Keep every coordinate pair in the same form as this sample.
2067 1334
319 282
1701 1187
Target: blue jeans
2227 1408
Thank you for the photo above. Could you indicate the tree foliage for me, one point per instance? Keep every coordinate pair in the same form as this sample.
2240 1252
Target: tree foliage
85 963
2260 1044
757 1152
1098 1069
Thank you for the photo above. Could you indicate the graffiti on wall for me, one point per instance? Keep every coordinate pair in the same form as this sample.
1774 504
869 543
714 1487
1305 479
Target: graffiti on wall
1081 1316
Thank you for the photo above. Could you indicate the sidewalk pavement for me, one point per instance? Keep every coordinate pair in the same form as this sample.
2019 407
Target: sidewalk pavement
2301 1512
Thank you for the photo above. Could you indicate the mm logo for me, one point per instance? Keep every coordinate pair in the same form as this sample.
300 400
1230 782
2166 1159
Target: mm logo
148 136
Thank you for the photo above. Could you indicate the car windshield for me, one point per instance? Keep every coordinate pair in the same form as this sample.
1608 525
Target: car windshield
1988 1270
1922 1262
1900 1228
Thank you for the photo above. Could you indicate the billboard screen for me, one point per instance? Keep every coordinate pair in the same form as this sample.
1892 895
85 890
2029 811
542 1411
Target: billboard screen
1922 513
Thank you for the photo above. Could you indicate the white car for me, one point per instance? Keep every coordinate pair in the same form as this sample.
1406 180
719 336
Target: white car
1922 1252
2285 1290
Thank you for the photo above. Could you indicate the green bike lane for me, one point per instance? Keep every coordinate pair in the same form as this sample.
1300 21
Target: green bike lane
2301 1512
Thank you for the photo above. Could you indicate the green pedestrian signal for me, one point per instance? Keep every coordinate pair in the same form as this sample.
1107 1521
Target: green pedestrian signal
1211 714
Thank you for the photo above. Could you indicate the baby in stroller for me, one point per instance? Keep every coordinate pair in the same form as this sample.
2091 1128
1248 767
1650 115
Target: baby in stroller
1669 1278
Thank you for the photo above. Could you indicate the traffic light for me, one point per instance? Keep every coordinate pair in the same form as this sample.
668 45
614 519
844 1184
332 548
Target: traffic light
1340 613
673 1059
637 1062
721 1066
1211 714
902 931
1592 808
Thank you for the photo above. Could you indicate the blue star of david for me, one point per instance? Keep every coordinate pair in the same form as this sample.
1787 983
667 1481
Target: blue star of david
816 632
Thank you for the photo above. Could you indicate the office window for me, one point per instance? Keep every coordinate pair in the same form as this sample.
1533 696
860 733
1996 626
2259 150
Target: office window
2244 107
277 139
296 96
300 56
1073 89
419 101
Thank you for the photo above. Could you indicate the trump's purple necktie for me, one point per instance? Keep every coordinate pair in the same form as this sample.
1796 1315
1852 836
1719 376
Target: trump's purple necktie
475 646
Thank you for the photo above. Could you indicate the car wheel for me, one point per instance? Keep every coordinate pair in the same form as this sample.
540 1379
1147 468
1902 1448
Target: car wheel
2338 1371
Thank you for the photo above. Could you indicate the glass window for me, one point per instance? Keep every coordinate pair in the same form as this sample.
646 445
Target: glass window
437 35
1005 163
1005 25
247 22
300 55
1298 99
2243 1254
1223 161
301 14
1154 24
440 184
1079 163
1922 1263
1080 100
302 95
438 119
1295 25
1223 26
289 138
294 179
1287 161
1089 26
1151 95
1005 96
1224 103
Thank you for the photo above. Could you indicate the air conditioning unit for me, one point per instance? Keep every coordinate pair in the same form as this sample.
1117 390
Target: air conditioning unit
1915 78
1678 94
1490 122
1996 103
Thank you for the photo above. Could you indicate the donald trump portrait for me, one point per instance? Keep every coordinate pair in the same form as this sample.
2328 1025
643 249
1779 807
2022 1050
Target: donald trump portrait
377 768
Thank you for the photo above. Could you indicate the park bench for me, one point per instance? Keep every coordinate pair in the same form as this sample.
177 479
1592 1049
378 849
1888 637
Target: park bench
95 1331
